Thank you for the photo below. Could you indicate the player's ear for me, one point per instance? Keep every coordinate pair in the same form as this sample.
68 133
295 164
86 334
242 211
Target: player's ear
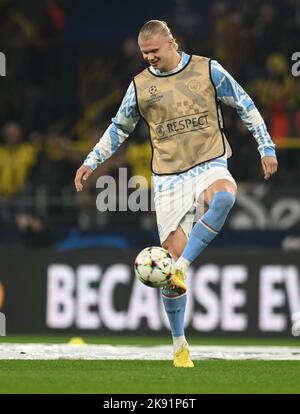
172 42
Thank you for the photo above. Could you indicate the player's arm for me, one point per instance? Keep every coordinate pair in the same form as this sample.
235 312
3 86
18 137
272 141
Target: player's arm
122 125
232 94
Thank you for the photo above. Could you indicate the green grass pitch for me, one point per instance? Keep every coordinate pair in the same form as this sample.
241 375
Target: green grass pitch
146 377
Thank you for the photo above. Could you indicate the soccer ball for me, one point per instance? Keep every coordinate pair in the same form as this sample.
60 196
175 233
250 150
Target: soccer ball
154 266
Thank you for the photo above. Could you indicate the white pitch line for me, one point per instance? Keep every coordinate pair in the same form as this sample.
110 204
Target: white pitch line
121 352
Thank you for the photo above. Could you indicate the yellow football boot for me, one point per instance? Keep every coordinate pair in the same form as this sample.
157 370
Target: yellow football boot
178 281
182 358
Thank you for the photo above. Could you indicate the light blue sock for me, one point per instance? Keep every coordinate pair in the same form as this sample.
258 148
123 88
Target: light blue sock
209 225
175 309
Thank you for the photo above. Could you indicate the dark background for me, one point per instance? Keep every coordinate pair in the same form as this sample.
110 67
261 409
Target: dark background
68 64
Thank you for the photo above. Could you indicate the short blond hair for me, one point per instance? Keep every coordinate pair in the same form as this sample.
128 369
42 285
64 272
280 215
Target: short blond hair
154 27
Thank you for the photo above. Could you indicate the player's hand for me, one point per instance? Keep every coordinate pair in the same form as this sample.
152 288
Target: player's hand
82 174
269 165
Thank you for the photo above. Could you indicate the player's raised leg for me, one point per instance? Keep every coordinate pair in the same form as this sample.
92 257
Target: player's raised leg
220 196
174 300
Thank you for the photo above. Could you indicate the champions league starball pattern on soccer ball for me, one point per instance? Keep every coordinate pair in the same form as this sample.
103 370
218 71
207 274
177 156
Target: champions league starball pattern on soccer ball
154 266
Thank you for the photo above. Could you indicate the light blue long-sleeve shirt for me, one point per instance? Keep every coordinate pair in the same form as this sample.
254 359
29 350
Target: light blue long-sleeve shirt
228 91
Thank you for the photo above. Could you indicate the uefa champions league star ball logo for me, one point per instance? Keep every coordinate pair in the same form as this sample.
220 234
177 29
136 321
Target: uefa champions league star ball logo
155 95
152 90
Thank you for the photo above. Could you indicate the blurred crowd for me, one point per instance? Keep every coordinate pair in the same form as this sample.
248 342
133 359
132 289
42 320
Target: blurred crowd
58 98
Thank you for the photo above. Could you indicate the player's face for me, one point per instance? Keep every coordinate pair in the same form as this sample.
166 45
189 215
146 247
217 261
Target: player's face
158 51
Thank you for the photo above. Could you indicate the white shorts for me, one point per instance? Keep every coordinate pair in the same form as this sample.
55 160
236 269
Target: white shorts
183 204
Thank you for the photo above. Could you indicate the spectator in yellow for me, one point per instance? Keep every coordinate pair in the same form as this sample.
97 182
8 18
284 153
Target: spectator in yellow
16 159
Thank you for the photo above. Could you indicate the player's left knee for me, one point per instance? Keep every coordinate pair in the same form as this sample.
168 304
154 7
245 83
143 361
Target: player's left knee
175 250
175 245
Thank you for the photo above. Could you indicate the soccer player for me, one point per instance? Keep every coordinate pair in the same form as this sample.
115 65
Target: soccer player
179 96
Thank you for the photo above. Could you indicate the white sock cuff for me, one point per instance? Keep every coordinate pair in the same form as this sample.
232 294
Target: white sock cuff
178 341
182 263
